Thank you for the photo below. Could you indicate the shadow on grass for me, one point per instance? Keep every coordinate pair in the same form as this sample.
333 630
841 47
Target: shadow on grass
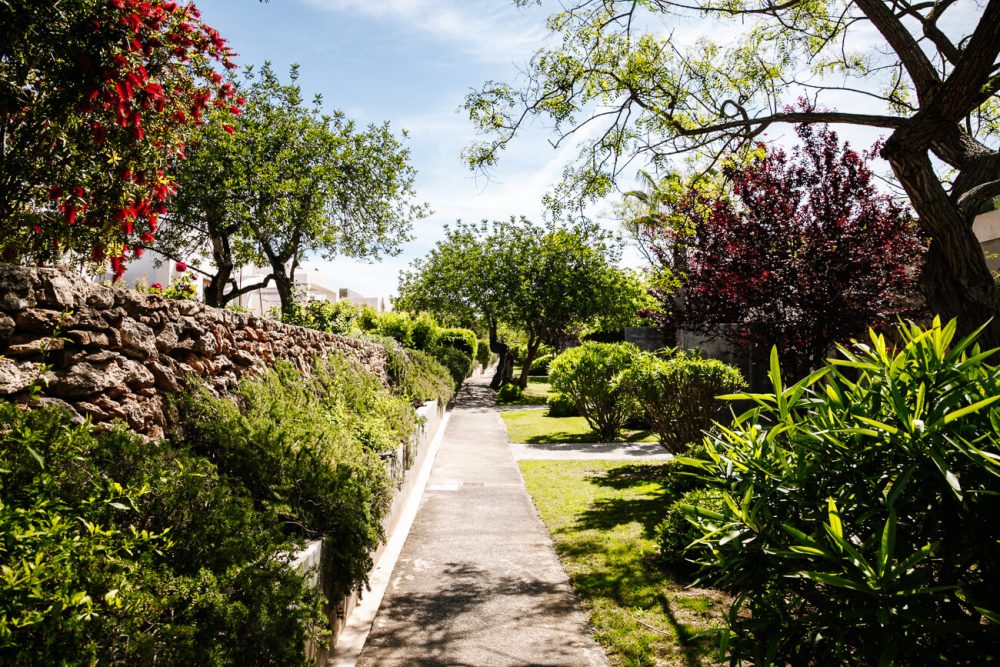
564 436
617 573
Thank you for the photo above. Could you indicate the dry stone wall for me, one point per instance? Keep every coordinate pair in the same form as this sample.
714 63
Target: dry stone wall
114 354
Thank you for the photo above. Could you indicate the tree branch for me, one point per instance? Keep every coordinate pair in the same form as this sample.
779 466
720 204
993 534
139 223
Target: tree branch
925 78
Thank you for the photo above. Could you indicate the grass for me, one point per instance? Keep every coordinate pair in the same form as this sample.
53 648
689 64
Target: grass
536 427
536 393
602 516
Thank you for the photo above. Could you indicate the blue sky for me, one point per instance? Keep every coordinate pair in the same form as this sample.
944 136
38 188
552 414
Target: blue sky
410 62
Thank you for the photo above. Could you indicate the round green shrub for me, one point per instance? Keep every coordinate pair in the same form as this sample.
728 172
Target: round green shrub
398 326
483 353
678 394
424 332
463 340
589 376
509 393
458 363
560 406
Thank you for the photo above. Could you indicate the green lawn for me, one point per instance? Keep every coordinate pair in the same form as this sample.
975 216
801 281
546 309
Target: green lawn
602 517
536 393
536 427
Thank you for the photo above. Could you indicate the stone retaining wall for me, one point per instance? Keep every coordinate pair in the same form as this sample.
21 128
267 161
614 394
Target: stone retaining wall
112 353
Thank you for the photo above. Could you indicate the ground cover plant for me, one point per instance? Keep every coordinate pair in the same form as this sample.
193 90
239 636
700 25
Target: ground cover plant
860 504
603 517
307 449
535 426
119 551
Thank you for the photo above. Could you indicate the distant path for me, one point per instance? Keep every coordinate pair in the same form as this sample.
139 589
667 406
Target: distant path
478 582
596 451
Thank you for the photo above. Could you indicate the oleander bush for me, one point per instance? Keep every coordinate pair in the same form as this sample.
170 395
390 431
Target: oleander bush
589 375
679 532
678 394
119 551
859 523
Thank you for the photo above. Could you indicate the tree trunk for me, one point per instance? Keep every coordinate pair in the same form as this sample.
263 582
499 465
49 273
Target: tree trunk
529 357
505 365
956 279
215 294
286 289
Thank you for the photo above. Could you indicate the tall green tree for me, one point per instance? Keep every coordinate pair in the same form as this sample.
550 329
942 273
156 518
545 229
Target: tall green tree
547 281
285 180
930 80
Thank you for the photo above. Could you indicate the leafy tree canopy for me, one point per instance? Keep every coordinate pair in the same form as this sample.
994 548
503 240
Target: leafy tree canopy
285 180
545 280
927 73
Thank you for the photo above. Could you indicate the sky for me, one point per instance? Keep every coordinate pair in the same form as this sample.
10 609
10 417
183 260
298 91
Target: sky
409 62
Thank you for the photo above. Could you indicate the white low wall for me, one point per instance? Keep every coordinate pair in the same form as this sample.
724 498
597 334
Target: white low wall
429 416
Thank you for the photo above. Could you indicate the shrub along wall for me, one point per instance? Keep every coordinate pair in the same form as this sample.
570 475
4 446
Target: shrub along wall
112 353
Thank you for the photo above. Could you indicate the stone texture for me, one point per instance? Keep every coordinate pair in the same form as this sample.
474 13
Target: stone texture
111 354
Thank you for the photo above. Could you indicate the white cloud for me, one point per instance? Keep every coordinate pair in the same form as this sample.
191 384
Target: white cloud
491 30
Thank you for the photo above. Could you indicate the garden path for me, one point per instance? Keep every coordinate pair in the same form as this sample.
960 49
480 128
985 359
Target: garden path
478 582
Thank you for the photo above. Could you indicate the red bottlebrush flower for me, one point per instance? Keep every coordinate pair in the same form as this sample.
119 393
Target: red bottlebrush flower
137 251
78 191
100 134
69 215
156 287
148 238
37 229
216 77
180 267
229 128
235 110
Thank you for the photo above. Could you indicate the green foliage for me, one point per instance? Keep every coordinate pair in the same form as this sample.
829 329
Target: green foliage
463 340
425 332
540 366
285 180
427 379
509 393
414 375
337 317
589 376
181 288
859 524
678 394
115 550
483 353
561 406
398 326
677 534
307 449
458 363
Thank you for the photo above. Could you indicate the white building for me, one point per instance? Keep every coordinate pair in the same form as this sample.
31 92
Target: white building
260 301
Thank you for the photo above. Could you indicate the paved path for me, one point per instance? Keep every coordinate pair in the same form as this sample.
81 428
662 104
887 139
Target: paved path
598 451
478 582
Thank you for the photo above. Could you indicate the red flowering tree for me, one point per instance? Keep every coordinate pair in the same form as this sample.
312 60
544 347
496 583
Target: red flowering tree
804 252
96 97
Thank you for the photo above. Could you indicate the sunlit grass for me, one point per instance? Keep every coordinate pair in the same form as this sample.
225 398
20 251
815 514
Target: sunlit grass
536 427
602 517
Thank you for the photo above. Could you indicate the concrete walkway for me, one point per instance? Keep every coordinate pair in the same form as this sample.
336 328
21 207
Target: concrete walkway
478 582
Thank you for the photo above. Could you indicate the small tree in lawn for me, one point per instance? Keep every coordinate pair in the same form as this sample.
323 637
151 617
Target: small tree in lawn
96 101
806 253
